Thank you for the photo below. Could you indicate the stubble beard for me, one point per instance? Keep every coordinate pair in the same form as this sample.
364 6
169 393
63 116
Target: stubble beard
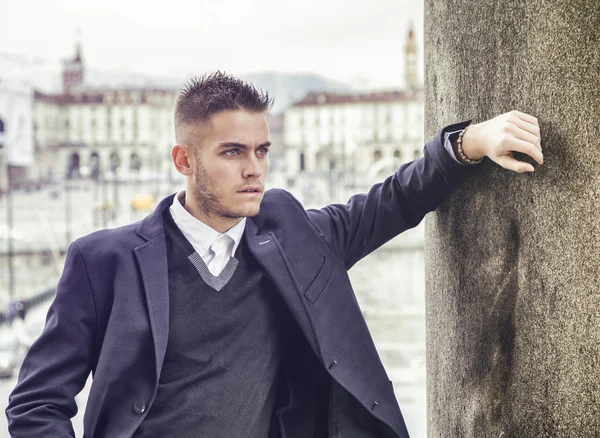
207 197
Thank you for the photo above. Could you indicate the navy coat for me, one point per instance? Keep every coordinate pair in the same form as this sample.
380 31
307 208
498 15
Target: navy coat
110 315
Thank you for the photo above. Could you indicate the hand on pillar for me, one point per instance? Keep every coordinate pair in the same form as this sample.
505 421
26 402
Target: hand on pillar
499 137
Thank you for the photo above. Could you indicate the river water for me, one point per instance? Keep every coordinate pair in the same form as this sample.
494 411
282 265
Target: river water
389 285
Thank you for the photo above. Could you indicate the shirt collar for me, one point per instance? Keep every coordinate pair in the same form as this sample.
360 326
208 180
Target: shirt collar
200 235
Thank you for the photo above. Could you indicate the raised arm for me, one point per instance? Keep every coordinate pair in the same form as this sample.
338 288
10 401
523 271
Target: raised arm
367 221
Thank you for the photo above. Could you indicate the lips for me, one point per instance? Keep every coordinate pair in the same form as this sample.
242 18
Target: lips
251 189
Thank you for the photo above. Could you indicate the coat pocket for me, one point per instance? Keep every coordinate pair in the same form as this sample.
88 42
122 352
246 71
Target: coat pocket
313 292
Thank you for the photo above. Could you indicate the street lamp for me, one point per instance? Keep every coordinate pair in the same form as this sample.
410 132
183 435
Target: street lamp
115 162
9 215
68 211
95 170
9 223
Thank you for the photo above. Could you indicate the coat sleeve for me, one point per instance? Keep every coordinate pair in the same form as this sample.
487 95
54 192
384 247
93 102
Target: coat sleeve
58 363
367 221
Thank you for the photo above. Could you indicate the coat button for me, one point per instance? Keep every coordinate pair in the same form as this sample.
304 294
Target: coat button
375 404
139 408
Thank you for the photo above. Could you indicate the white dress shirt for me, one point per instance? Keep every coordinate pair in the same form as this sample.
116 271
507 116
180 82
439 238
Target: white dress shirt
215 248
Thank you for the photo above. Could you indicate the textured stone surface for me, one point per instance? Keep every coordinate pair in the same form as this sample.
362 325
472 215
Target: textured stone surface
513 261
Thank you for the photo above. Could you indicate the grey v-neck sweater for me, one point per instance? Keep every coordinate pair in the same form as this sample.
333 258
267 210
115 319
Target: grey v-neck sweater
224 350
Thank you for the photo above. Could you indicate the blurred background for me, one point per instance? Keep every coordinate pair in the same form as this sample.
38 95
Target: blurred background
87 91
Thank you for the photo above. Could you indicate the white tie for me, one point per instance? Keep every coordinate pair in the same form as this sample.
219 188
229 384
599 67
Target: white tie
222 254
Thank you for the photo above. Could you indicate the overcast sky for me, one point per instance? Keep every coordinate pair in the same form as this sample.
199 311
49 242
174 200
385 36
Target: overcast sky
349 40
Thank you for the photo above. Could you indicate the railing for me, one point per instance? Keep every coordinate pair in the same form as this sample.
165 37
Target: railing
19 308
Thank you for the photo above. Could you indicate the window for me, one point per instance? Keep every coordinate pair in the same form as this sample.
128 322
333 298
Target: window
114 161
95 166
73 166
135 162
1 132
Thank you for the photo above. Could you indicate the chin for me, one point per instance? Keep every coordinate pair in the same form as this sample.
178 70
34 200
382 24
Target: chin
251 212
251 209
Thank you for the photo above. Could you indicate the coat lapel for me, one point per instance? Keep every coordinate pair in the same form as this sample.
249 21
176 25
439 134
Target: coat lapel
152 260
267 251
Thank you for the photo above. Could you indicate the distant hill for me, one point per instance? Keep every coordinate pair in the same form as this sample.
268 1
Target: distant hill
287 88
44 75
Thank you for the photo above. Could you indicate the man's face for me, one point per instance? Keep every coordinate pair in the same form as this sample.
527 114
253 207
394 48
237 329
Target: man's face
231 165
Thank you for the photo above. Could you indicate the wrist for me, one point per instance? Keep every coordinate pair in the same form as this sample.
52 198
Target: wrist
468 150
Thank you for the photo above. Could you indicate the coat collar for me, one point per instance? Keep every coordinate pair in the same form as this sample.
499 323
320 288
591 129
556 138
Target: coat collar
152 225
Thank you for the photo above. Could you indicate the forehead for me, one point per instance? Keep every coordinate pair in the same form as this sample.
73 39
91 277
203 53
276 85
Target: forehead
238 126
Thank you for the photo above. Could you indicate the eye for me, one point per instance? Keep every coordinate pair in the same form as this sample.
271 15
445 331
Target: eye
263 151
231 152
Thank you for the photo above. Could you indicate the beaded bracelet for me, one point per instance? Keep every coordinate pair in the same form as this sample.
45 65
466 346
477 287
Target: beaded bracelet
461 153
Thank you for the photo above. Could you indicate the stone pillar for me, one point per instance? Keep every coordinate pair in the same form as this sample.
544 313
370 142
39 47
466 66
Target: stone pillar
513 260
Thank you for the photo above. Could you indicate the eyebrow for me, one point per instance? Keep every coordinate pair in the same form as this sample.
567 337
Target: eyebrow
232 144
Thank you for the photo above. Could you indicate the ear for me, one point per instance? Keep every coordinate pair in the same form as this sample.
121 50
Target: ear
182 157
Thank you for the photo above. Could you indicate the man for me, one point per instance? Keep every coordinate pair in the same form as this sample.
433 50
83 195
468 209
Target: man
228 311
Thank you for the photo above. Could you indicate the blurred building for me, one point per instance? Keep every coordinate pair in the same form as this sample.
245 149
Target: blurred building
17 153
364 136
83 131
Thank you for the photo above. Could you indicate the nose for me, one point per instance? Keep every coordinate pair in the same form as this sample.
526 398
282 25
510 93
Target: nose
252 168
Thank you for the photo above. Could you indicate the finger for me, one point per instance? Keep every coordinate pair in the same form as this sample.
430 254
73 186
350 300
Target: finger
518 145
521 132
510 163
527 118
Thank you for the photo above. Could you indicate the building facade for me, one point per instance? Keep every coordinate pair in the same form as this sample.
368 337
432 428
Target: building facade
83 132
17 152
118 130
326 131
361 136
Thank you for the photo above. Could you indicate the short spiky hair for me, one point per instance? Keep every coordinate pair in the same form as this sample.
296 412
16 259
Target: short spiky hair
210 94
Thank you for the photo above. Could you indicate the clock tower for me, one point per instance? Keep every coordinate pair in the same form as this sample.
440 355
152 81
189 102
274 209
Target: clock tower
72 75
411 77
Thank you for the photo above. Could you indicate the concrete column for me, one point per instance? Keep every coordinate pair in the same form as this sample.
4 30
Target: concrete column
513 261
